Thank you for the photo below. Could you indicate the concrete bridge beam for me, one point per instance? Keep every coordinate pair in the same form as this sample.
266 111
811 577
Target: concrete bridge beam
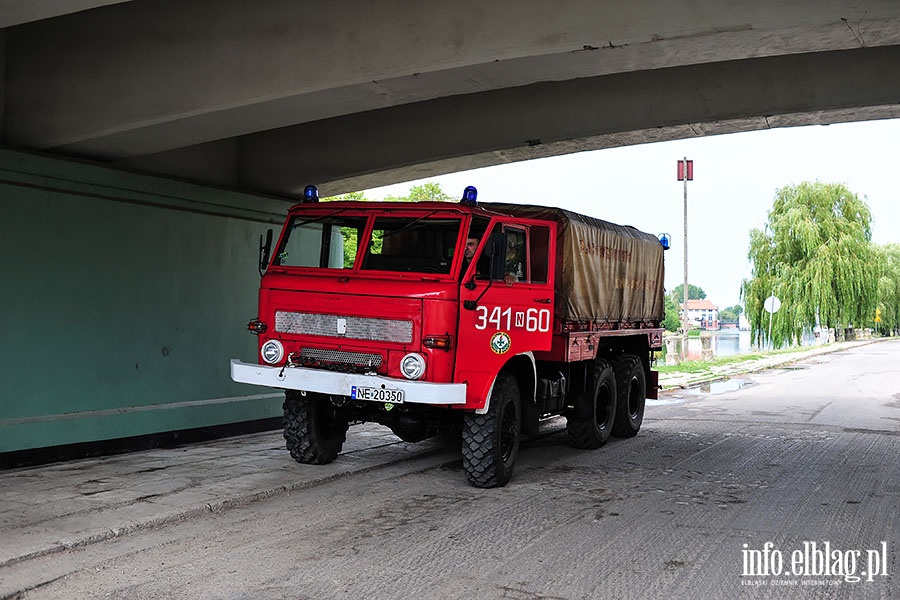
129 82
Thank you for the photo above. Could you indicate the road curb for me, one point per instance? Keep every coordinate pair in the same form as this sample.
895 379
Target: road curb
748 367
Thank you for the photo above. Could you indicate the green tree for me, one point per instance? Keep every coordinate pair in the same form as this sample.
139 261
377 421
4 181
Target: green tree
427 192
672 321
732 314
352 196
694 293
816 256
888 308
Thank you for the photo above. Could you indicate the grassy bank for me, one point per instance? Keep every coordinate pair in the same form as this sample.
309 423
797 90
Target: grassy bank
699 366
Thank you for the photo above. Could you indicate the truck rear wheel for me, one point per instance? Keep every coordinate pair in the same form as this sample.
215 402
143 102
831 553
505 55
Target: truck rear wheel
594 430
314 429
631 388
491 441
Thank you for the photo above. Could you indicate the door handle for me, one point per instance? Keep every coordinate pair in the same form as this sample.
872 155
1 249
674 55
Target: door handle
543 300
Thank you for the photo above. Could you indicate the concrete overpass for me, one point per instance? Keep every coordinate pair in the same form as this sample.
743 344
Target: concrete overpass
146 144
270 96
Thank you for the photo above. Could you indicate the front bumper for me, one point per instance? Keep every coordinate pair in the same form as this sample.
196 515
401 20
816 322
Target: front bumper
340 384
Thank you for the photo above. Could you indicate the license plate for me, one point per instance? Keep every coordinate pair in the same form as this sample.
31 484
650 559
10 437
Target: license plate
359 392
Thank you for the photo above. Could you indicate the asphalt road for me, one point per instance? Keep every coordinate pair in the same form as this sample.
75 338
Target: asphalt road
787 487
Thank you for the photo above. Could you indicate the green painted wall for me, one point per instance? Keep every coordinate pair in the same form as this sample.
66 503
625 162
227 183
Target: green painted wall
123 297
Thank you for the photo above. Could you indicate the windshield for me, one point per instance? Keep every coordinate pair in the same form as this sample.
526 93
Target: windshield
329 242
415 244
412 244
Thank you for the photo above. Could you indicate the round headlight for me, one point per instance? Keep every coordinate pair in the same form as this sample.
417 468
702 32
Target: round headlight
272 352
412 366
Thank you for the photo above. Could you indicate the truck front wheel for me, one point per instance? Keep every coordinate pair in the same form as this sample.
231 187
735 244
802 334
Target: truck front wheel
593 430
314 428
631 386
491 441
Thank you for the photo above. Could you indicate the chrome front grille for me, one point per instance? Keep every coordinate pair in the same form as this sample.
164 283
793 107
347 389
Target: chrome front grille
358 359
357 328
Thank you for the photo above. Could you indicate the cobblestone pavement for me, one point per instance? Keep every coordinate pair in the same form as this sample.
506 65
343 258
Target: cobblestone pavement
56 507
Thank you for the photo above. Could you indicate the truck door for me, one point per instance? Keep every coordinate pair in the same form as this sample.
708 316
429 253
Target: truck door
511 314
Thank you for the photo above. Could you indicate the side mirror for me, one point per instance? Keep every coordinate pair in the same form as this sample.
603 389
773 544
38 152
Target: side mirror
265 251
497 248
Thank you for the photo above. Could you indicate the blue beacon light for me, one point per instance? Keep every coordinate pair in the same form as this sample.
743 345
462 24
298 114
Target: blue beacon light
470 196
311 194
664 239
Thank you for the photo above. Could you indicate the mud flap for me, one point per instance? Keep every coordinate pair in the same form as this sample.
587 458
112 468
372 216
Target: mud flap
653 385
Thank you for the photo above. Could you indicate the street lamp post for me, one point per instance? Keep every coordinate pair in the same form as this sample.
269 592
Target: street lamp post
771 345
772 303
771 312
685 174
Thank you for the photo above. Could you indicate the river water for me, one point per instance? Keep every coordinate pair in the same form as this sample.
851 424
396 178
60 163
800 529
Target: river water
729 342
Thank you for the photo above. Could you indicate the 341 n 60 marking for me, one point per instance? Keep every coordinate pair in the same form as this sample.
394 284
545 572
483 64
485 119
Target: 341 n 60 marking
498 318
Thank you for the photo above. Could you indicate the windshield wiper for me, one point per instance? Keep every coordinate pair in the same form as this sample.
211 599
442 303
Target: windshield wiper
410 224
315 219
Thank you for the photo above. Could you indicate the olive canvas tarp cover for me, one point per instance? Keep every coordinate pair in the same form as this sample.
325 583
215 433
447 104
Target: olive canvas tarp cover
604 272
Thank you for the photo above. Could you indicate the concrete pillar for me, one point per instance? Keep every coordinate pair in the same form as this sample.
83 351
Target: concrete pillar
671 351
706 349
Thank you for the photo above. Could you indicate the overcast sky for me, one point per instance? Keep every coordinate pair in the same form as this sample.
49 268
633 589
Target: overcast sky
735 178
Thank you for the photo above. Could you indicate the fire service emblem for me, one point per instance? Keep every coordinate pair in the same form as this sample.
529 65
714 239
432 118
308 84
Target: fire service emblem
500 342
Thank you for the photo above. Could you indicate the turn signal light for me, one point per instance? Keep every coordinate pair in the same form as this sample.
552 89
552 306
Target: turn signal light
256 327
442 342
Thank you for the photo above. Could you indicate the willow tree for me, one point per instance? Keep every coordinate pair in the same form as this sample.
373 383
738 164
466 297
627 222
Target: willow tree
888 309
815 254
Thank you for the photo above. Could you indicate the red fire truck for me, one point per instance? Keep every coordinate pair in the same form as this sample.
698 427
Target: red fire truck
466 319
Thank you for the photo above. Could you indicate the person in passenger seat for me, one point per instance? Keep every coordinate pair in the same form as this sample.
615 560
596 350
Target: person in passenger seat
514 271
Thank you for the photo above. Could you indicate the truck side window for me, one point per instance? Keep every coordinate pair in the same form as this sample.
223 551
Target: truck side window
527 254
540 254
516 254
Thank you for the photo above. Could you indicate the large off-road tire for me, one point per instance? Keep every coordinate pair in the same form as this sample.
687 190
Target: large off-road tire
313 428
631 391
490 442
592 430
